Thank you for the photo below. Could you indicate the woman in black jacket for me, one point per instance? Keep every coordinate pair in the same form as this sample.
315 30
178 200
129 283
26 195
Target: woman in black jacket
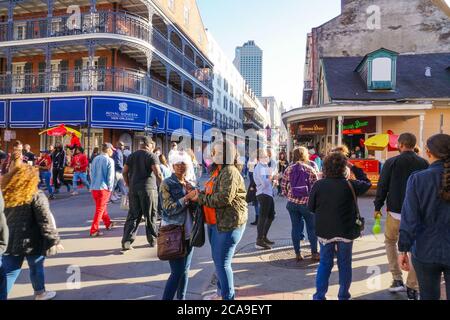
3 244
333 204
32 230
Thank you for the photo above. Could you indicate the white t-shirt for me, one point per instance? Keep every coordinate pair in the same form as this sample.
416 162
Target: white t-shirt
396 216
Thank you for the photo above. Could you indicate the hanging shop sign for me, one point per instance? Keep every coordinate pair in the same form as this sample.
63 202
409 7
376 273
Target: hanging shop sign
318 127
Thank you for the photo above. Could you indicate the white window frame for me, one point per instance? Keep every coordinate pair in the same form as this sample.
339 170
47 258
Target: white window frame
18 71
20 26
88 71
55 79
56 25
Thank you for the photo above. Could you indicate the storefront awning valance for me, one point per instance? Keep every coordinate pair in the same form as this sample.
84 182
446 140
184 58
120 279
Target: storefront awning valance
27 113
188 124
157 114
2 114
173 121
67 110
118 113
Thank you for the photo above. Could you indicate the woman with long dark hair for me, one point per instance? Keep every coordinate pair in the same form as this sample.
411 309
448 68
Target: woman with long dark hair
425 225
226 212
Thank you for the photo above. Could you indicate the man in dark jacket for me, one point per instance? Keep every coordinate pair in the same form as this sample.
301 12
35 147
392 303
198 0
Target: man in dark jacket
392 185
59 163
119 163
4 235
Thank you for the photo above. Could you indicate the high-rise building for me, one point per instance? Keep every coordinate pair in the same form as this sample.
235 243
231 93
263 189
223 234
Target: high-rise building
248 61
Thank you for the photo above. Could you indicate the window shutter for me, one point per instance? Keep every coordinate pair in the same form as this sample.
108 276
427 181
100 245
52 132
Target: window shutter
77 78
64 68
28 77
41 76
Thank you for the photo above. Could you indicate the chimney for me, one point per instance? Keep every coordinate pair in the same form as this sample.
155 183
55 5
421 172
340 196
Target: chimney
428 72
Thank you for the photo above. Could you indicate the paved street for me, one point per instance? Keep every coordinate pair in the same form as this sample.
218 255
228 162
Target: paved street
106 273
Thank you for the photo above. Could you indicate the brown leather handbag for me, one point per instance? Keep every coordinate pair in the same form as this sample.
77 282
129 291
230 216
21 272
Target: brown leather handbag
171 243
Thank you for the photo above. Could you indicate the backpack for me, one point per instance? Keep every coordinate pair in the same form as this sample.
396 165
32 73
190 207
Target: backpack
299 181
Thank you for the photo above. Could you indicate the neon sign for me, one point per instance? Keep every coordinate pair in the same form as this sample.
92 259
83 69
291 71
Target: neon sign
358 124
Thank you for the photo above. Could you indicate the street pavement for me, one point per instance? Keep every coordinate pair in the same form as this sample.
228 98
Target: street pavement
106 273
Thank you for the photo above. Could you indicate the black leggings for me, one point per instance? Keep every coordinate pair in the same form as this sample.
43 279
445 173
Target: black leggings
266 214
58 178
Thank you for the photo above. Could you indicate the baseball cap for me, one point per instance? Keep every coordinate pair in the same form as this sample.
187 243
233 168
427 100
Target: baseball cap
109 146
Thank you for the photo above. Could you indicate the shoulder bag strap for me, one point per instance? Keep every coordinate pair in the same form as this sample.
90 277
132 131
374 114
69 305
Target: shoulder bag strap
354 198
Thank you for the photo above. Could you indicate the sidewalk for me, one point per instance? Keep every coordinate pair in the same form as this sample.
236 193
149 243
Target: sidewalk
274 274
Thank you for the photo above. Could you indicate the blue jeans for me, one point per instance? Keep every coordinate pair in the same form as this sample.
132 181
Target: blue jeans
299 216
179 276
46 175
13 266
79 176
429 278
3 291
120 182
344 259
223 246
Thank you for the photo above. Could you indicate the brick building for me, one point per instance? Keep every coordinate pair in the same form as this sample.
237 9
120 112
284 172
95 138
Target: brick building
111 69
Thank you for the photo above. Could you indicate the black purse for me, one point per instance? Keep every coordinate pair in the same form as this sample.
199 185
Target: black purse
360 221
198 229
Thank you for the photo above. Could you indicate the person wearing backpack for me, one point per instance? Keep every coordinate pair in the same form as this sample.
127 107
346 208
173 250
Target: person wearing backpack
296 185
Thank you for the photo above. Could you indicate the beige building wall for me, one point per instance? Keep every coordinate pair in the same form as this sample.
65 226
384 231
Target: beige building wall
406 124
194 28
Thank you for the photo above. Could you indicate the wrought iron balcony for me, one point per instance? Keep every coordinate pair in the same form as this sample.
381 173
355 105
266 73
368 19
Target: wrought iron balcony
120 23
102 80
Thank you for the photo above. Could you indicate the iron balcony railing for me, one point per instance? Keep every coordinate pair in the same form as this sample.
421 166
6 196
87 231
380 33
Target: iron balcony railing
121 23
96 79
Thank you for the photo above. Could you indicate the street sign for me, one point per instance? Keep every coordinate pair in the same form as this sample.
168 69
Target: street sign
9 135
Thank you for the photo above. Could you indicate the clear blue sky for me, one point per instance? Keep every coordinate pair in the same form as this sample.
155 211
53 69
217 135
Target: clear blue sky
279 28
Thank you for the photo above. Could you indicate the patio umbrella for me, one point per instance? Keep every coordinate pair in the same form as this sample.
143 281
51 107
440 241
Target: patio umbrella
61 131
382 141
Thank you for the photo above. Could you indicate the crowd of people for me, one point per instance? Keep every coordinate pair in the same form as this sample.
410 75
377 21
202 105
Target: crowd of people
321 200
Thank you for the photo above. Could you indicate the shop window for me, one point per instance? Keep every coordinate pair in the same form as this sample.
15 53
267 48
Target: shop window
95 140
47 141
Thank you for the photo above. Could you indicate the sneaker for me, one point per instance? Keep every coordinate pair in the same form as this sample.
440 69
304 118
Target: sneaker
213 296
254 223
412 294
299 257
397 286
261 245
47 295
315 257
75 193
96 234
271 243
111 226
127 246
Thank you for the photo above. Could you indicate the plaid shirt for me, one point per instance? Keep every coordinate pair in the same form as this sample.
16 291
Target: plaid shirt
286 183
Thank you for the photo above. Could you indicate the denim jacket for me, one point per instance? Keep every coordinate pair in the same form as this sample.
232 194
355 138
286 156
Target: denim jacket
425 225
174 211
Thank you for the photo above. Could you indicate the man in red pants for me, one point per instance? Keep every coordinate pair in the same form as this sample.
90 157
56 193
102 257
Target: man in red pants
102 183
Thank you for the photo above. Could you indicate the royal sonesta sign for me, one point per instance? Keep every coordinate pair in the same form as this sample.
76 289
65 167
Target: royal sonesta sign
119 112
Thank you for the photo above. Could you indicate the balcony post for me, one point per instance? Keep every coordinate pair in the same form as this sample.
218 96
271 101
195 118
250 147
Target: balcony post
151 12
11 6
149 66
93 6
9 79
91 53
48 67
50 4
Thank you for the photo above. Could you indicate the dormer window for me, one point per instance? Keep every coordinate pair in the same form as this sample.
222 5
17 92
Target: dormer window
379 70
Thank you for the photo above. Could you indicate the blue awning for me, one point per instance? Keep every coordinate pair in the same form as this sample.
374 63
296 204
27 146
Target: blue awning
68 111
27 113
158 114
173 122
117 113
188 124
2 114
